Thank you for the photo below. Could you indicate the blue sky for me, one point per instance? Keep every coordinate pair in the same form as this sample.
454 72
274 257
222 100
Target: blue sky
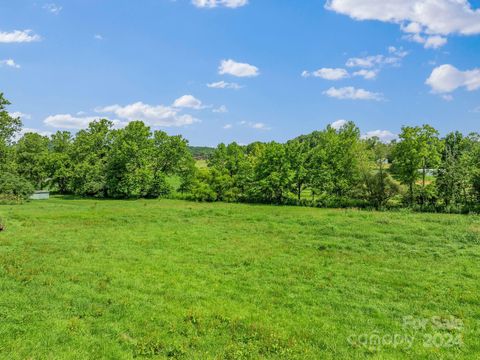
276 68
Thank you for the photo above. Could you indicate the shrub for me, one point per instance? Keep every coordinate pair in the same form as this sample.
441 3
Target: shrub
202 192
14 188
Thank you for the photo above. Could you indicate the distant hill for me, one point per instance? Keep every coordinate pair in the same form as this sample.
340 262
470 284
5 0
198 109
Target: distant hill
201 152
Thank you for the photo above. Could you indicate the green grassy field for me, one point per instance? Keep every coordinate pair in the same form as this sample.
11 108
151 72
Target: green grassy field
86 279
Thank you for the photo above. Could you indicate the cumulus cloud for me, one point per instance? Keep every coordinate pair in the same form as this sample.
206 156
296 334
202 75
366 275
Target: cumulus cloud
446 78
19 36
231 67
382 135
366 74
224 85
153 115
337 125
53 8
351 93
393 59
189 102
429 42
9 63
255 125
369 66
328 73
98 37
227 126
221 110
68 121
427 18
215 3
259 126
365 62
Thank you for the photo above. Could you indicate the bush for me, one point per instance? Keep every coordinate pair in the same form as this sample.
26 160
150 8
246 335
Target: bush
202 192
158 188
14 188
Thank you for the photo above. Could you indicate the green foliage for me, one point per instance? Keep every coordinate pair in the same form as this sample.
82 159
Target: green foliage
378 186
89 153
14 187
129 170
31 157
417 151
201 191
9 126
273 175
60 165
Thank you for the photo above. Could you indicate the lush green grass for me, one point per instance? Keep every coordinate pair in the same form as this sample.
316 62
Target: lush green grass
121 279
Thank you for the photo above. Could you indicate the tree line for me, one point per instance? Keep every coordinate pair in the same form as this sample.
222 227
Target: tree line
329 168
339 168
99 161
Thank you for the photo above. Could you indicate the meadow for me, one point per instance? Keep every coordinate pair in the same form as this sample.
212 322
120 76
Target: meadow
84 279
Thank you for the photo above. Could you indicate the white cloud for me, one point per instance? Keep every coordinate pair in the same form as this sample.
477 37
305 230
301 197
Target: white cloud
158 115
98 37
224 85
221 110
366 74
337 125
352 93
18 114
255 125
215 3
429 42
53 8
366 62
189 102
476 110
394 59
383 135
430 17
328 73
234 68
369 66
447 78
259 126
68 121
227 126
19 36
9 63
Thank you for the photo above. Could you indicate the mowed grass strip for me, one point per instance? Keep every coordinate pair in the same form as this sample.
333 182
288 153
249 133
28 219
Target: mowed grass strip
172 279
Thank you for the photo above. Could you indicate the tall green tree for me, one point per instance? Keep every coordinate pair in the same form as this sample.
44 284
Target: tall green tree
89 153
273 175
60 165
417 151
9 126
130 169
297 154
31 154
335 160
379 185
452 177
